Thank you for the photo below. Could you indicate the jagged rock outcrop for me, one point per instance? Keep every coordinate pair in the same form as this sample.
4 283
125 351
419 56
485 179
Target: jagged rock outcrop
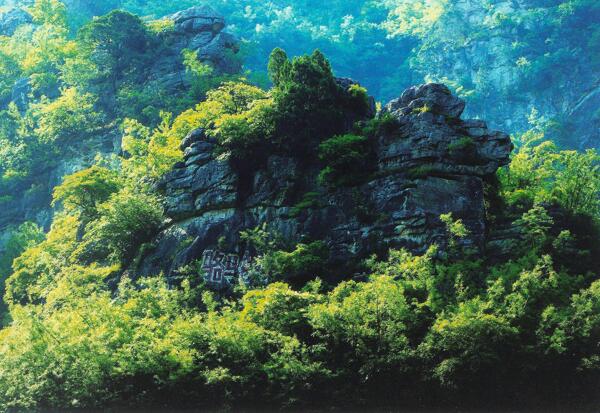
433 163
12 19
199 29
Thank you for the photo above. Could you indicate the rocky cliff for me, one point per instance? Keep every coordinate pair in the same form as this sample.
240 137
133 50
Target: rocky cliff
512 58
431 163
199 28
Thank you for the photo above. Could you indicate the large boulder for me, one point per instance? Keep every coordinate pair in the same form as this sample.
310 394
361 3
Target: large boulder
431 164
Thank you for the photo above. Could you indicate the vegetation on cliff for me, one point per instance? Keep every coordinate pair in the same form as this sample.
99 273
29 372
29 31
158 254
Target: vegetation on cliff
516 326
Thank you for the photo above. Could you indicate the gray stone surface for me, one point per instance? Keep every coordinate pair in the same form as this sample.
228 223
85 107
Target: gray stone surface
421 173
199 29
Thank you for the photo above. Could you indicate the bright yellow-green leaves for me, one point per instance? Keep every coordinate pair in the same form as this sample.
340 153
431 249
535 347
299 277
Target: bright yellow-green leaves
539 172
413 18
151 154
69 117
35 270
85 190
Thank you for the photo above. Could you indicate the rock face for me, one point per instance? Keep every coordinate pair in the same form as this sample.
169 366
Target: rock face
12 19
199 29
433 163
504 94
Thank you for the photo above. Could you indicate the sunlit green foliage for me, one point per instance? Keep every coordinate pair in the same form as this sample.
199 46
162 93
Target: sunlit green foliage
35 270
305 262
201 72
150 154
70 116
84 191
127 220
539 172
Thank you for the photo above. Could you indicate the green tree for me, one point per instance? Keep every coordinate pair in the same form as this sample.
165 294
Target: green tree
278 66
39 265
85 190
51 12
577 182
364 326
118 44
126 221
348 158
470 350
151 154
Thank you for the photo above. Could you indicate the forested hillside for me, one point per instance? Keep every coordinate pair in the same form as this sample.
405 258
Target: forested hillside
508 58
247 205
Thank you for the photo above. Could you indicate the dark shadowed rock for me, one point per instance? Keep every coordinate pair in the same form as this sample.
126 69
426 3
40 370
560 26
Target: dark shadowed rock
198 19
433 97
194 136
432 163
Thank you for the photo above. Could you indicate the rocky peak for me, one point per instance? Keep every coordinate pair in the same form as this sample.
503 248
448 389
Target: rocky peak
435 137
434 96
198 19
199 29
432 163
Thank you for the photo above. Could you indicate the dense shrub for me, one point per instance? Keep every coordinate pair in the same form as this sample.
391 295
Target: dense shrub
126 220
348 158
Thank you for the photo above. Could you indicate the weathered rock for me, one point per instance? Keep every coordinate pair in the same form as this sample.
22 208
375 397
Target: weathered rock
12 19
198 19
432 97
216 52
434 163
583 120
199 29
194 136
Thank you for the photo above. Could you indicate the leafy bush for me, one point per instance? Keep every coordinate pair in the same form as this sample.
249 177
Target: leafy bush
72 116
37 267
126 220
348 158
308 100
305 262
